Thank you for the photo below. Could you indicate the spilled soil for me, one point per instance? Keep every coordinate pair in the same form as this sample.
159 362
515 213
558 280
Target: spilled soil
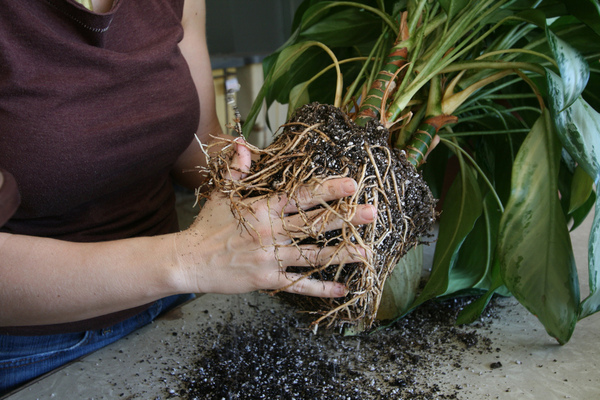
269 354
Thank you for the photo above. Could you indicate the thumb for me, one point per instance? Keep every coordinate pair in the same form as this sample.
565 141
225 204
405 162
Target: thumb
241 161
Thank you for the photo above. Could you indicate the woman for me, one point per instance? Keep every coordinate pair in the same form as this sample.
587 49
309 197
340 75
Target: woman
98 111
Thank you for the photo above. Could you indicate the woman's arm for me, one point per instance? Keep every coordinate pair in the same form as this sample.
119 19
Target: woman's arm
194 49
48 281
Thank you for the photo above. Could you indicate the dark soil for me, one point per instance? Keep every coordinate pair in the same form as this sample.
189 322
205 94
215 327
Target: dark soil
271 356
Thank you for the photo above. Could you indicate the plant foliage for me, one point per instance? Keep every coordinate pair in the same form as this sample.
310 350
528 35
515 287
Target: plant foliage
522 78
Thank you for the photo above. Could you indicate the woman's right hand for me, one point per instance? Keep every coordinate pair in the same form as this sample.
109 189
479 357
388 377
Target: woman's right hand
217 255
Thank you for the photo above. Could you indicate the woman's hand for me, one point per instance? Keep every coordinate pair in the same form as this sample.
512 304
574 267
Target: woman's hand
217 255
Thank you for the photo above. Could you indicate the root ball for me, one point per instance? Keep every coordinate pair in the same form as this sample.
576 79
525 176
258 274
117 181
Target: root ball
320 142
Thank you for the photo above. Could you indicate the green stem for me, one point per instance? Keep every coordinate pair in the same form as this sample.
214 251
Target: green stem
439 59
371 105
407 131
434 101
508 40
415 15
494 65
486 132
418 147
477 117
354 85
339 84
497 112
543 39
488 91
456 146
324 70
516 52
511 96
415 49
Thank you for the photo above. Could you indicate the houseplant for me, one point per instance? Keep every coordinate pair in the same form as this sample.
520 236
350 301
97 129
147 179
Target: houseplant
508 90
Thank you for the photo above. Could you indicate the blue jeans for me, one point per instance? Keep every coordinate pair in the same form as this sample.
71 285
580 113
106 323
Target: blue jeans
23 358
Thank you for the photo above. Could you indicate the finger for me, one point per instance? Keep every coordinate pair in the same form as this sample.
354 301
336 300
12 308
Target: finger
313 256
317 222
307 197
242 160
298 284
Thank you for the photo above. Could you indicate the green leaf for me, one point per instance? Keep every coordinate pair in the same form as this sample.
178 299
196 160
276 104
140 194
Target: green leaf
591 304
277 65
579 36
534 248
533 16
462 207
298 96
401 286
453 7
300 11
473 310
578 127
592 90
348 27
581 189
587 11
345 22
435 168
477 251
579 215
299 68
573 68
552 8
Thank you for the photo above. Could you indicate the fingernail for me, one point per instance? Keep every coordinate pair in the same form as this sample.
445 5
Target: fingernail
340 290
349 186
368 212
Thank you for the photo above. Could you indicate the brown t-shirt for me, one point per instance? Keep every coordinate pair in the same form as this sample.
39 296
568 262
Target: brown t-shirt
9 196
94 111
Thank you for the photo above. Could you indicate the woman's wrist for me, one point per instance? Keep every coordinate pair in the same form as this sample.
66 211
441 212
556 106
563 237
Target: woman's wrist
185 267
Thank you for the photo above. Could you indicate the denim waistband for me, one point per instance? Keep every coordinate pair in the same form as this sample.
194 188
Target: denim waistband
23 358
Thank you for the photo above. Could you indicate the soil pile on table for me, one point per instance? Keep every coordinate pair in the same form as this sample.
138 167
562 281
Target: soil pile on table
266 356
320 142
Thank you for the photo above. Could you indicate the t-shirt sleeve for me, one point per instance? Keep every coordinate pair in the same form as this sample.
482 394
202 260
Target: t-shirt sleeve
9 196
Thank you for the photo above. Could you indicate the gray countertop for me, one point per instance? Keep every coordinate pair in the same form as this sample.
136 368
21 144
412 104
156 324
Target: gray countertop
150 363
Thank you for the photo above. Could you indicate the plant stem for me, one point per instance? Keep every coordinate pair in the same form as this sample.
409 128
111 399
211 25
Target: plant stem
415 49
486 132
352 88
415 15
439 59
456 146
330 66
418 147
372 105
339 84
494 65
453 101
